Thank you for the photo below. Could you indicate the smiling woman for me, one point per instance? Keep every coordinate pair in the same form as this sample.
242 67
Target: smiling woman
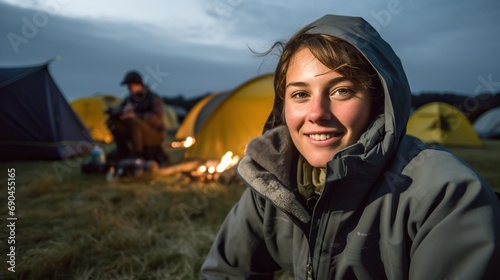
324 111
337 190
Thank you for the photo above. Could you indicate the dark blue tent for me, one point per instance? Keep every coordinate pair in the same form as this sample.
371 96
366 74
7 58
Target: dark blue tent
36 121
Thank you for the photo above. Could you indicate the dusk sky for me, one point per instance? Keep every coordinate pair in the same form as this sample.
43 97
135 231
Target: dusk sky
193 47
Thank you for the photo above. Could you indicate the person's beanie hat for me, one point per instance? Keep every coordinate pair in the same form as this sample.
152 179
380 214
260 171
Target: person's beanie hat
132 77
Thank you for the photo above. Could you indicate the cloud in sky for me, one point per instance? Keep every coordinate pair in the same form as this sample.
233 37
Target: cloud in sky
199 46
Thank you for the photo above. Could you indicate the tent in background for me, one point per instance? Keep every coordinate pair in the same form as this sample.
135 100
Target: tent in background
91 111
488 124
443 124
36 120
170 119
227 121
191 122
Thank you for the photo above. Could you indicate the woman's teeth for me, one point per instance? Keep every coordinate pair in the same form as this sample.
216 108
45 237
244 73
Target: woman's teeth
320 137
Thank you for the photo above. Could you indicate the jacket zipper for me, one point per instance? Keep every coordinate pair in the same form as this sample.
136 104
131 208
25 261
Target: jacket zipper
309 269
310 274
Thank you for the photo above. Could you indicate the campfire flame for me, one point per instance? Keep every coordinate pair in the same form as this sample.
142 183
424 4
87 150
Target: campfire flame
186 143
227 161
212 169
202 169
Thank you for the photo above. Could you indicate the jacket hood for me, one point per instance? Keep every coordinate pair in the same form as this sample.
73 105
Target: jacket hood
382 57
391 125
369 156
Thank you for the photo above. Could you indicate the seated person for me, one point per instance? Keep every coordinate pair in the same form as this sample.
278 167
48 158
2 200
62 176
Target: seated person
138 120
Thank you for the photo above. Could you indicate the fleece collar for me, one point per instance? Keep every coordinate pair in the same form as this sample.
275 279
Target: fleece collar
267 167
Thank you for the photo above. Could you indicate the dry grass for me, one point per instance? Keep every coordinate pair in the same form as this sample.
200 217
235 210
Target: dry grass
86 228
75 226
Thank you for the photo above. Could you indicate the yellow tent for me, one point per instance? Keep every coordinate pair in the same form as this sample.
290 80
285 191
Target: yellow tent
187 127
227 121
441 123
170 119
91 113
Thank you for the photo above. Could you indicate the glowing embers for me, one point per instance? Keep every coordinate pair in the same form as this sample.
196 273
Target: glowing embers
215 169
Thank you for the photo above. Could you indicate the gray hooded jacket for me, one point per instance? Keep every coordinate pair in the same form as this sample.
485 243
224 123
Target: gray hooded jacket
391 208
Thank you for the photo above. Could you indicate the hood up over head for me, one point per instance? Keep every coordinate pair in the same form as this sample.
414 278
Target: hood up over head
382 137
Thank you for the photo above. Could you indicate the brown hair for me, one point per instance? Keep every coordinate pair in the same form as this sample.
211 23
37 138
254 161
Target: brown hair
334 53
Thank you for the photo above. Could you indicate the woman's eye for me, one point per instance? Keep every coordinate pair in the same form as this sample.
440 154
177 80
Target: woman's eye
299 95
342 92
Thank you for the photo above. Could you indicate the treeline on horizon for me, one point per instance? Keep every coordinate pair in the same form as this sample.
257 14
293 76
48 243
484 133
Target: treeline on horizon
472 106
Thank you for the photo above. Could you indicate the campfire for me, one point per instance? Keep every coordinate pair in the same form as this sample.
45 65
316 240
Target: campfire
222 170
214 170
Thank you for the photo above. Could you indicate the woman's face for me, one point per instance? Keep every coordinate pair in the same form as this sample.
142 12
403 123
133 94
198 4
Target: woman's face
324 111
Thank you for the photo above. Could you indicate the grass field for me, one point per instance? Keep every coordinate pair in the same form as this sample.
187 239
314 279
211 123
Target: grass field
485 160
75 226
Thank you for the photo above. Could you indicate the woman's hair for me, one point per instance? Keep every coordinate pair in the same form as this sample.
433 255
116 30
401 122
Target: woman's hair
335 54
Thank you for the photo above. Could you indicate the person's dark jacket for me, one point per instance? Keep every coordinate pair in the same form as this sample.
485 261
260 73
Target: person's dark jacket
391 208
148 106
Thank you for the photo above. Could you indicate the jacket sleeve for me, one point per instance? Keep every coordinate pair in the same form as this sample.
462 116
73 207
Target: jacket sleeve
457 233
155 115
239 251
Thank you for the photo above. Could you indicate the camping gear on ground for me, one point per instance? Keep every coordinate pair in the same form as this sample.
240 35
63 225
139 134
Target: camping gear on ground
155 153
488 124
99 162
37 121
96 163
98 155
442 124
131 168
227 121
121 168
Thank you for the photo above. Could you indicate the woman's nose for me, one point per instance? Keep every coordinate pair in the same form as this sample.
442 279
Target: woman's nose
319 109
